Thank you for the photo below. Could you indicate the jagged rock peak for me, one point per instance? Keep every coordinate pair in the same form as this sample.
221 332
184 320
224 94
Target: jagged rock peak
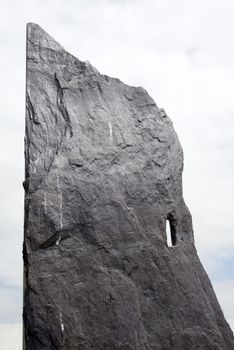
103 176
38 37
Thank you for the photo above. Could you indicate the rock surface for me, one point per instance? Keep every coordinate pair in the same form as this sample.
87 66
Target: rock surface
103 175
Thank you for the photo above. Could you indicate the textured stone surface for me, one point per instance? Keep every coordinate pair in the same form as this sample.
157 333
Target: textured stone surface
103 174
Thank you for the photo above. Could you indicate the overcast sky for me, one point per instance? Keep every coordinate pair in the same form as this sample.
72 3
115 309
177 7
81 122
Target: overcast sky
182 53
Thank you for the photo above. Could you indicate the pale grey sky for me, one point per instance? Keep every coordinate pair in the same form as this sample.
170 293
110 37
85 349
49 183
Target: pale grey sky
182 53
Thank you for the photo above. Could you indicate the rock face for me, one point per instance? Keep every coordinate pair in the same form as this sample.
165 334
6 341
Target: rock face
103 175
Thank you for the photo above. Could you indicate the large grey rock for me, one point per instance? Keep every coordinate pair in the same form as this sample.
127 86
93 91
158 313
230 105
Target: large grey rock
103 174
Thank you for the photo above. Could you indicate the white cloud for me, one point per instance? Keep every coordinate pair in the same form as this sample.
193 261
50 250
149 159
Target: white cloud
11 336
10 304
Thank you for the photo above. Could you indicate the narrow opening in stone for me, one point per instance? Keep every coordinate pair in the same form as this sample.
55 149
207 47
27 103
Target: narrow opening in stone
171 230
168 231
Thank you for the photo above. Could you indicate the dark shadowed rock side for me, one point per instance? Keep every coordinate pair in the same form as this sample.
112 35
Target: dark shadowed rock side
103 175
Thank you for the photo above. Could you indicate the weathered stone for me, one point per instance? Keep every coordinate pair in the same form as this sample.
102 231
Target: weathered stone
103 174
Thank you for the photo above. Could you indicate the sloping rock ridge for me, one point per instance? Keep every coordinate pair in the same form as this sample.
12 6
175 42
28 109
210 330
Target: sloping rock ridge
103 174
